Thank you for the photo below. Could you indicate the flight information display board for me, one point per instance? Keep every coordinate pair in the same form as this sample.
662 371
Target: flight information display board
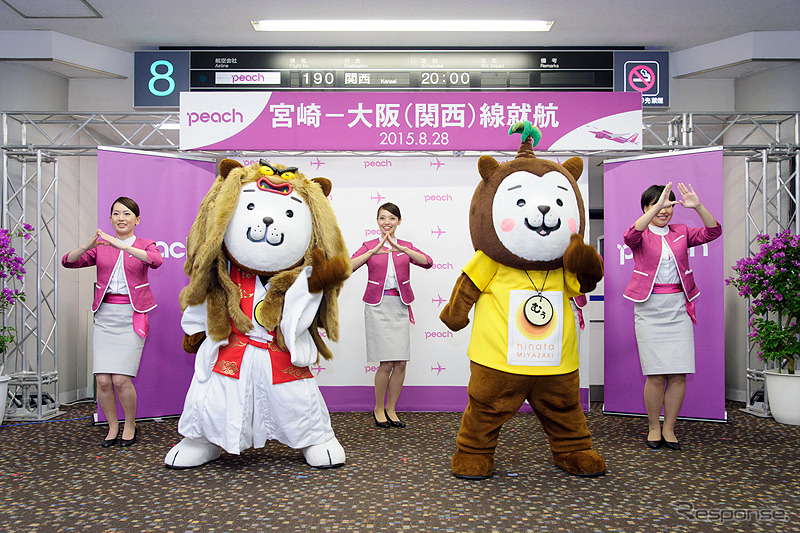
161 75
551 70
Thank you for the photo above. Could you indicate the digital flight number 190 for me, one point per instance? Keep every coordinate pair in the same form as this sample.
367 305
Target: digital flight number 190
318 79
452 79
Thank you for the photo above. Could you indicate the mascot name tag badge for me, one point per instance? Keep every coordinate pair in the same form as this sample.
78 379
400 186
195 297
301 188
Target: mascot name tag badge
535 327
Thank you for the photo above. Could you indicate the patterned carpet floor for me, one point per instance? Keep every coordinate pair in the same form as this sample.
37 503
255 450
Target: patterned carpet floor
736 476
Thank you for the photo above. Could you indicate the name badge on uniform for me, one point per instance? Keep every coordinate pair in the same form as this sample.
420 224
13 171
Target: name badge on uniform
535 328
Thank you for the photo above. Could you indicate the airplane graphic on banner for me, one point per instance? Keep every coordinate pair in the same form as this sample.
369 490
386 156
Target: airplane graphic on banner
438 232
621 138
439 300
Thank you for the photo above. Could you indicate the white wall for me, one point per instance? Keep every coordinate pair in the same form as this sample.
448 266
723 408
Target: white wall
30 89
701 95
92 94
776 89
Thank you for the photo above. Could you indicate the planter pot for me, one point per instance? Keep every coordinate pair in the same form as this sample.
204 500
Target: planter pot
3 396
783 391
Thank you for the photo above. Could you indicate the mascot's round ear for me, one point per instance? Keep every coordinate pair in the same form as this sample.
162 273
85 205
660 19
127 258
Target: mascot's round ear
574 166
226 165
325 183
486 166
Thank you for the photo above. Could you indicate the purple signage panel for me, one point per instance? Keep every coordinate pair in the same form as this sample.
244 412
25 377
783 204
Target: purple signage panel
624 182
402 121
169 190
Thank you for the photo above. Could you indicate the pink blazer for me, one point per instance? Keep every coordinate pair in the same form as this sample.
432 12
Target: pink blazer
646 248
378 266
105 257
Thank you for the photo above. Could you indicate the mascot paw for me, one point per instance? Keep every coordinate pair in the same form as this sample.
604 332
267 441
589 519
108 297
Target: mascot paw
189 453
327 455
191 343
326 273
583 463
451 320
472 465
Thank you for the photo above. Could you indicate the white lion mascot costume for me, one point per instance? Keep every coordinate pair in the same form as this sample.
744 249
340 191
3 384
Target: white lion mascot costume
266 261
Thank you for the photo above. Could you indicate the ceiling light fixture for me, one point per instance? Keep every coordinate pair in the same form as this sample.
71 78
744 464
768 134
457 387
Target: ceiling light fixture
403 25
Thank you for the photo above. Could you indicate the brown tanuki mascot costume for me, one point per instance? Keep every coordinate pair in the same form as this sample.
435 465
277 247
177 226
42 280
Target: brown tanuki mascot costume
526 221
266 262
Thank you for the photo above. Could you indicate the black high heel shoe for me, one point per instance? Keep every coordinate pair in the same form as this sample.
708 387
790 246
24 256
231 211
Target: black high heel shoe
653 444
671 445
394 423
129 442
381 424
108 443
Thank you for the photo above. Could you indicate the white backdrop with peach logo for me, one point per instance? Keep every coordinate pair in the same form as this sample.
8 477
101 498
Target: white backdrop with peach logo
433 194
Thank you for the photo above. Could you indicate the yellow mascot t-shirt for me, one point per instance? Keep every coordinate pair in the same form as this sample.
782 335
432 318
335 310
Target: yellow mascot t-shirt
494 321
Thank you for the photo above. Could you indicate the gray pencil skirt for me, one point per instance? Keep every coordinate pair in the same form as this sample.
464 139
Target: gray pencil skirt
387 330
664 334
117 347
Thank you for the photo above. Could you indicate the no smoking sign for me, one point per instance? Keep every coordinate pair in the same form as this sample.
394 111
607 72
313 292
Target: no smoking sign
641 77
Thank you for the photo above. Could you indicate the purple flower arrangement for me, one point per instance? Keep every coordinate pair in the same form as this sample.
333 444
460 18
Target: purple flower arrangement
11 268
771 279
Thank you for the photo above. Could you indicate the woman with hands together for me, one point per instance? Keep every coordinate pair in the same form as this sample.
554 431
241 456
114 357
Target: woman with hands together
387 313
122 299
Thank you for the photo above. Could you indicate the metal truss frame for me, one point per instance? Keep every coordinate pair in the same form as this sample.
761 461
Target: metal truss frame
34 141
772 186
30 193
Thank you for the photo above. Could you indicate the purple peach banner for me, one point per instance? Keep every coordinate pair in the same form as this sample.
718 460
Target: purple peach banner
624 182
401 121
169 190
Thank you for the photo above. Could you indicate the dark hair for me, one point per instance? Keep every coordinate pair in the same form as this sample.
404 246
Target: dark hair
653 193
127 202
390 207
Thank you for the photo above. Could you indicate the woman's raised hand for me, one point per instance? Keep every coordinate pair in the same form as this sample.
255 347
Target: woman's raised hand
663 200
689 197
108 240
94 242
394 245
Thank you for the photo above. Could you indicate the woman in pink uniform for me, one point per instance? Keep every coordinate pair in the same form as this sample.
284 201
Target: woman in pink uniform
388 313
664 290
122 299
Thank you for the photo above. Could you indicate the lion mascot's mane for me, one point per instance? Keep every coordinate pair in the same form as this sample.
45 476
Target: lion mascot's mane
207 259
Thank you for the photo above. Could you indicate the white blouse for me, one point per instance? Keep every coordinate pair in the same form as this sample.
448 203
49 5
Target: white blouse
668 267
391 275
117 284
